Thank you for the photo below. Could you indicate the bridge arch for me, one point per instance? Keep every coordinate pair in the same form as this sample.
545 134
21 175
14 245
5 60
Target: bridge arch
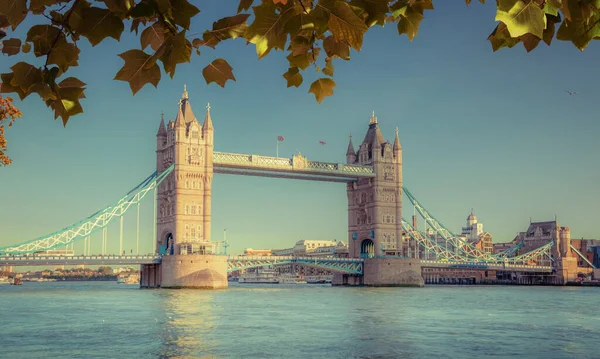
367 248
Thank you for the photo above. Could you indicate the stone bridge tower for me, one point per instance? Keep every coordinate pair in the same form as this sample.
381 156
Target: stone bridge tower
184 205
184 197
375 204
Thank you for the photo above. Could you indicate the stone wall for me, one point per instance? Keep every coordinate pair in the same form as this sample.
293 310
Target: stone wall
393 272
194 271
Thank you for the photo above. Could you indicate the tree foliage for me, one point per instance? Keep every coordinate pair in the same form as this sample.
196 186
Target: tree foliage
8 113
312 32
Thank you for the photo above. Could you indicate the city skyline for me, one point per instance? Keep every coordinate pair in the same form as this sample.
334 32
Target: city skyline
527 158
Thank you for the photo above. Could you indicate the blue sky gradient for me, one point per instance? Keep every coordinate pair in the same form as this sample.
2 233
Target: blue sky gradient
492 131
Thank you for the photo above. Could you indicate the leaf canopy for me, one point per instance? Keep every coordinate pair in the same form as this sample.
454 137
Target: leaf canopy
314 33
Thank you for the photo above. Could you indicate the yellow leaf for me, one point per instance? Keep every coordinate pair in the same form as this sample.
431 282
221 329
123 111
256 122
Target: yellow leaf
11 46
293 77
177 50
328 69
343 23
138 70
14 10
26 48
322 88
218 71
521 18
226 28
6 87
153 35
267 31
376 10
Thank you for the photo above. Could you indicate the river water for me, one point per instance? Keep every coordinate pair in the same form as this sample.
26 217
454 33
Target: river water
109 320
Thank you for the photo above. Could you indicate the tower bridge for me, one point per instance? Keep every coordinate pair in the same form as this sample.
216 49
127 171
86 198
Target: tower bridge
384 249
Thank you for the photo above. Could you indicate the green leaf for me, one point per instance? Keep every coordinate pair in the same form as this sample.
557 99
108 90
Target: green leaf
293 77
409 23
119 6
153 35
552 6
580 33
38 6
530 41
328 69
143 9
521 18
25 76
42 37
177 50
6 87
64 54
138 70
67 94
218 71
376 10
11 46
14 10
226 28
244 5
322 88
182 12
335 48
343 23
100 24
500 38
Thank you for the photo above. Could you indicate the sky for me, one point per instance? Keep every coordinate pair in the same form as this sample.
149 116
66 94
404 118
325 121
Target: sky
495 132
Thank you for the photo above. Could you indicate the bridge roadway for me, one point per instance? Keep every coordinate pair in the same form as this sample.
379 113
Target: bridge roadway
346 265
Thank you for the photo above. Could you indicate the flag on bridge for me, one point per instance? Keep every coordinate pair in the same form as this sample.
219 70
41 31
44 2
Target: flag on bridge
322 142
279 138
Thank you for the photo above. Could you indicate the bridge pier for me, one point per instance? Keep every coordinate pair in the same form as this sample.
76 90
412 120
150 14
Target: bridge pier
385 272
196 271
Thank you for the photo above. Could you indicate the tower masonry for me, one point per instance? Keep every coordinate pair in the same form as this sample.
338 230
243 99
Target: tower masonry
184 197
184 205
375 204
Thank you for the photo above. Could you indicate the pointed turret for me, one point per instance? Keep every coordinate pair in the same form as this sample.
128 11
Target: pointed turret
207 120
397 146
180 119
162 130
350 153
186 107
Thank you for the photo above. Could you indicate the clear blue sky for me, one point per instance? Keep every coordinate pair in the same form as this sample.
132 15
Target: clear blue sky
492 131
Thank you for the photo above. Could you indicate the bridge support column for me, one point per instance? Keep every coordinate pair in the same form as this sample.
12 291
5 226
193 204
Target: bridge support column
150 275
194 271
393 272
566 270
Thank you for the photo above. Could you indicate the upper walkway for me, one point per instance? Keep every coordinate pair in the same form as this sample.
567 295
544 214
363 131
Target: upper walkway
297 167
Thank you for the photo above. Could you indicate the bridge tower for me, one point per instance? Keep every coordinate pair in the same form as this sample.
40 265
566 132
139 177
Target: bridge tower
184 203
375 204
375 213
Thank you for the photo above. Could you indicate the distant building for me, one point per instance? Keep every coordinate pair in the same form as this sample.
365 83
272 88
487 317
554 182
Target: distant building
257 252
7 269
475 235
56 252
316 248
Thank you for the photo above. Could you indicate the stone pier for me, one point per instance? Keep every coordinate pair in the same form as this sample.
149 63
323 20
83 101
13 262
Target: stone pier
385 272
186 271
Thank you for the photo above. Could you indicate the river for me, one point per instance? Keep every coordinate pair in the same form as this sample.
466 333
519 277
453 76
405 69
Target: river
109 320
